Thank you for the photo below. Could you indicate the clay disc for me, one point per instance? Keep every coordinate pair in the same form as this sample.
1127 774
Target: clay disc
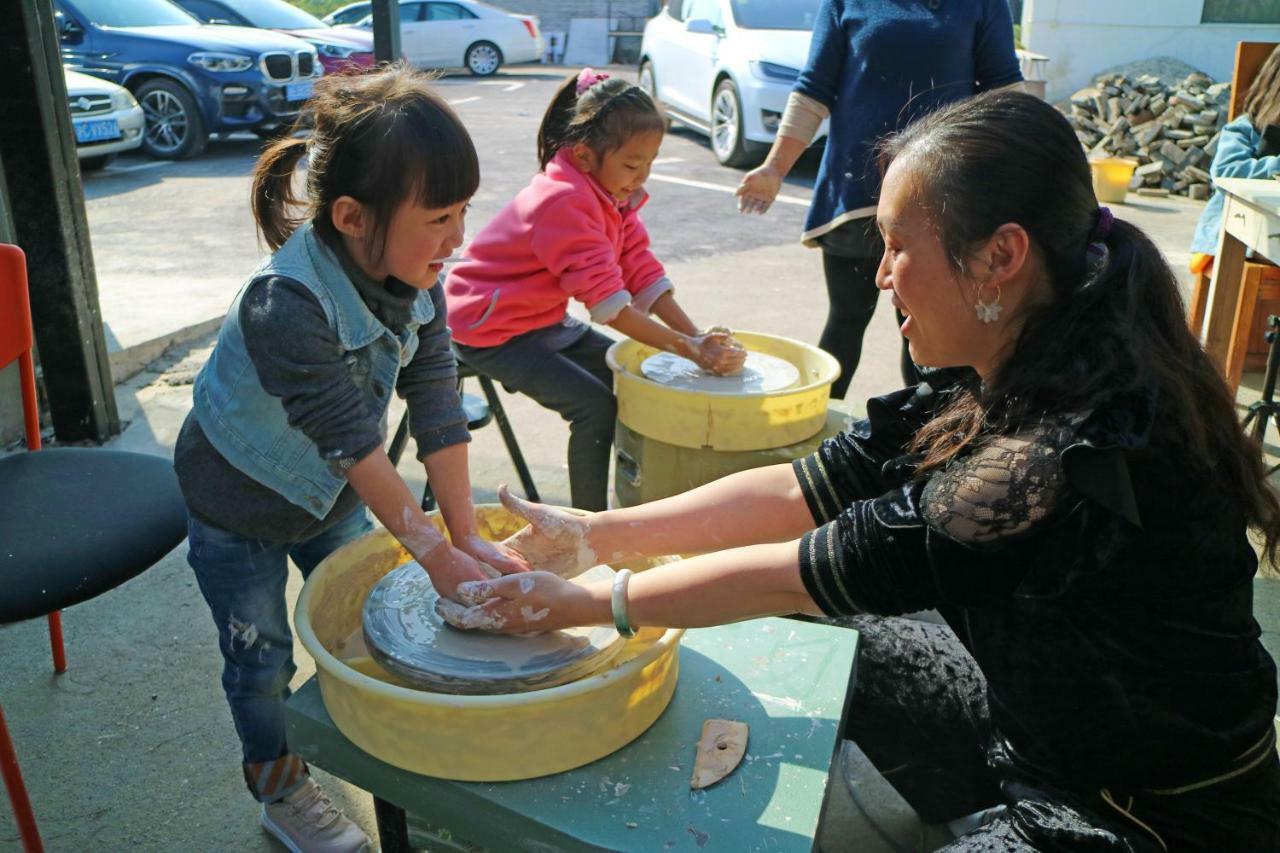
407 637
760 375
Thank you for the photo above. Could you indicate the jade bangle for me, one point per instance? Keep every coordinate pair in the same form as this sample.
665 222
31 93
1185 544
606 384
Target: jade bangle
618 599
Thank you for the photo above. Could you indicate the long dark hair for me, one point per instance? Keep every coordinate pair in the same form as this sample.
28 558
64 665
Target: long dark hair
381 137
1006 157
603 117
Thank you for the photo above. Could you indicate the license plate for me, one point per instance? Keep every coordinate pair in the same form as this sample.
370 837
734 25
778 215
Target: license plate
97 131
298 91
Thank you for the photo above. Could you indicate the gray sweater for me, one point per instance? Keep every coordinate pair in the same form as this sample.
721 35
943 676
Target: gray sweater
299 359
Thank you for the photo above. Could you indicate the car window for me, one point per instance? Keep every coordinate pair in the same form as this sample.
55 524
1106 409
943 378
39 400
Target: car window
208 11
273 14
448 12
135 13
706 10
675 8
413 12
775 14
350 16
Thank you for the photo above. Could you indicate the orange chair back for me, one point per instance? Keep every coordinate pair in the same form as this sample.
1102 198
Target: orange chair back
16 338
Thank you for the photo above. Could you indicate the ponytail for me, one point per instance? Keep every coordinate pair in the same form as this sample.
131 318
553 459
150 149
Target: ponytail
272 195
599 111
555 122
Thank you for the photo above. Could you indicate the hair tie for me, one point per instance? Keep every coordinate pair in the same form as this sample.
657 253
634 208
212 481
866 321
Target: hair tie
1097 255
1103 226
588 78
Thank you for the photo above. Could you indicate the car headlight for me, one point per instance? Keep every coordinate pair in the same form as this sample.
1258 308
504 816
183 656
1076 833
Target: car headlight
775 72
123 100
334 51
223 62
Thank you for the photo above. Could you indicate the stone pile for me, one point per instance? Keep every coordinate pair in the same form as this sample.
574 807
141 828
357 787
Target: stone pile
1170 130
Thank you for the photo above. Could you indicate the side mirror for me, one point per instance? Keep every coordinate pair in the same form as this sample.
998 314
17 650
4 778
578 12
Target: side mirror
700 26
68 29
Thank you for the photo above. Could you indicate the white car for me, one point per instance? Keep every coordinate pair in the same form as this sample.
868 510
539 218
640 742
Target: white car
105 117
458 34
726 67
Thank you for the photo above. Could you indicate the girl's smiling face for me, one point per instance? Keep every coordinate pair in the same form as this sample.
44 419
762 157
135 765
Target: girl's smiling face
622 171
417 240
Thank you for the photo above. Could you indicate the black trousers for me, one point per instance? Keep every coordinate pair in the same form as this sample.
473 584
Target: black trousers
852 295
919 712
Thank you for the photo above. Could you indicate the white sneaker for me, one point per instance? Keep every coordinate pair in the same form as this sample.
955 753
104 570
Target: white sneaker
307 821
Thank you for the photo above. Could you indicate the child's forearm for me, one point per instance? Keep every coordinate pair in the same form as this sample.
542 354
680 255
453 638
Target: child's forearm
379 485
450 480
669 311
758 505
635 325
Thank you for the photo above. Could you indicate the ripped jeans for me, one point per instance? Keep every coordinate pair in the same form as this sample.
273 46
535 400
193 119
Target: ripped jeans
243 581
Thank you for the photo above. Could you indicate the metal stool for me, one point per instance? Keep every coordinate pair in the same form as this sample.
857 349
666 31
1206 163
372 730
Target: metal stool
479 413
1267 407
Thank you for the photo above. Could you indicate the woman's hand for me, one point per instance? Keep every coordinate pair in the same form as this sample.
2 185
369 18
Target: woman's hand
758 189
523 603
555 541
496 554
717 352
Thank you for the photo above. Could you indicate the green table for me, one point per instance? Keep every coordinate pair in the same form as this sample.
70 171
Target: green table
787 679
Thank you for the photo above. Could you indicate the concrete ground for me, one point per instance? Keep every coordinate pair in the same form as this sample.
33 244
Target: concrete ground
133 747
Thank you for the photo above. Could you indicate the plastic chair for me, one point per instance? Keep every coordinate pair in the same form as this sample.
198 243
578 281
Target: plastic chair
75 522
479 413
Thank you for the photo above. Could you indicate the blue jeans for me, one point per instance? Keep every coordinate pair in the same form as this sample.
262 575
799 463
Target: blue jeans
243 581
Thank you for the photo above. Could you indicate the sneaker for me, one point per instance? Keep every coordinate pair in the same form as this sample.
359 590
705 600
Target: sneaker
307 821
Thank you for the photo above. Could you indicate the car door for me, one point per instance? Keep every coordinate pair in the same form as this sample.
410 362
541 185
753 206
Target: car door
693 51
451 29
413 33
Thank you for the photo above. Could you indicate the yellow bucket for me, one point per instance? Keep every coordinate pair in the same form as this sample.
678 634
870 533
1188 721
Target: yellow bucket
720 421
472 738
1111 176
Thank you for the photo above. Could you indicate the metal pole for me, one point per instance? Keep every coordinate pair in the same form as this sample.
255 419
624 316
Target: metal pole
386 30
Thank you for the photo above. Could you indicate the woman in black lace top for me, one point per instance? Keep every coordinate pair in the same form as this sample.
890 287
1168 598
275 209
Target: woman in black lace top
1076 506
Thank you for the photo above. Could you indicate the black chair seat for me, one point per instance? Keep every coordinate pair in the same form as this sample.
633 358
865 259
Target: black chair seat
76 522
477 411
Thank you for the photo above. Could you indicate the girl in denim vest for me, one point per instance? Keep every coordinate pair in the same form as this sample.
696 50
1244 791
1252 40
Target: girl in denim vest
283 450
575 231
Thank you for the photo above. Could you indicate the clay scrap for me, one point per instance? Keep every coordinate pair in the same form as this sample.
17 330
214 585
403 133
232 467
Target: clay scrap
720 750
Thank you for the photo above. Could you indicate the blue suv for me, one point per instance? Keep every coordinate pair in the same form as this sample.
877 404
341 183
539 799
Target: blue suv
192 80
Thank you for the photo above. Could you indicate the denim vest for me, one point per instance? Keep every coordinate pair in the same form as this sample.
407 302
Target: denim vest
250 428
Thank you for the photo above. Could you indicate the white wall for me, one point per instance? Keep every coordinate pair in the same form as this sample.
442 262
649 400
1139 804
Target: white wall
1083 37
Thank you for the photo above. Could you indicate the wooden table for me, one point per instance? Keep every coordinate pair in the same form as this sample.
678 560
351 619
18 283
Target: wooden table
1250 221
787 679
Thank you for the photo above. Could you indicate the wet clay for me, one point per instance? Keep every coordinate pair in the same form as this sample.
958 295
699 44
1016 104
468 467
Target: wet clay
406 635
761 374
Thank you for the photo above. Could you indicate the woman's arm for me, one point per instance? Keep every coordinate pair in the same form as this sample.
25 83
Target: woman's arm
728 586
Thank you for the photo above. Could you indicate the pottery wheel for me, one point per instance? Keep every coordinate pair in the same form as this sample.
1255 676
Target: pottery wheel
761 374
407 637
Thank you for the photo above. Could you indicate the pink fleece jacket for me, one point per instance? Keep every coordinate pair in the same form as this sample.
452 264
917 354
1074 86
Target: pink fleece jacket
562 236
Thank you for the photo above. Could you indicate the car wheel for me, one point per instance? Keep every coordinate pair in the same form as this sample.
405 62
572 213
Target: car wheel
483 58
93 164
175 128
728 142
649 84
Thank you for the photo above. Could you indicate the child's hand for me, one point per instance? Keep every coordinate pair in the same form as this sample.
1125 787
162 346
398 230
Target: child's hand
447 567
518 604
495 554
758 189
554 541
719 353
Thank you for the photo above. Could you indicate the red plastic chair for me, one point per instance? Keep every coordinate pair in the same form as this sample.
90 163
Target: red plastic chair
63 543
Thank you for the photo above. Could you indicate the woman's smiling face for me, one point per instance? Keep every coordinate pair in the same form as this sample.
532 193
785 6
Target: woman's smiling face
941 326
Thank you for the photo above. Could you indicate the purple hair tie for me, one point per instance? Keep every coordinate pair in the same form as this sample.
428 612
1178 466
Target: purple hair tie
588 78
1097 255
1103 226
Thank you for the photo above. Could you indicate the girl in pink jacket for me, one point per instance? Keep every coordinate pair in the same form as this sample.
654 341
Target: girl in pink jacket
575 232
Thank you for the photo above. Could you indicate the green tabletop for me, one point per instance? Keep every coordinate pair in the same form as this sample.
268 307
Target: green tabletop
786 679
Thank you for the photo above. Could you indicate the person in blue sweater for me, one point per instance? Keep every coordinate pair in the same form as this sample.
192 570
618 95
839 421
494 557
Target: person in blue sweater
873 67
1248 148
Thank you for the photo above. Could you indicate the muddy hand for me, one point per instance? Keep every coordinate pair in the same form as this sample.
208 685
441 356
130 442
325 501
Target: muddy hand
554 541
719 353
447 567
758 189
518 604
497 555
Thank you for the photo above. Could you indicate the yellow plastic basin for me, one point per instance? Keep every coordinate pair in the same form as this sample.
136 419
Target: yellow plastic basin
472 738
1111 176
724 421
